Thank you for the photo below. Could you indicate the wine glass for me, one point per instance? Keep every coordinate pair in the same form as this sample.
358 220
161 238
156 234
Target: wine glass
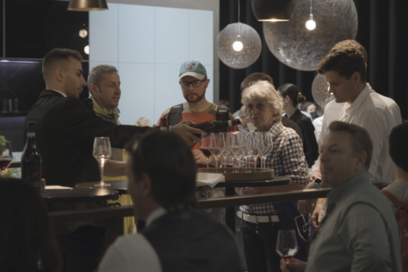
286 245
6 155
215 147
254 146
102 151
230 146
266 144
204 147
223 146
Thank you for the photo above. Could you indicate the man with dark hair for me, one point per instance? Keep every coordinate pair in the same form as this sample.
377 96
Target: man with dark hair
359 232
176 238
345 69
254 78
65 128
194 82
397 192
65 132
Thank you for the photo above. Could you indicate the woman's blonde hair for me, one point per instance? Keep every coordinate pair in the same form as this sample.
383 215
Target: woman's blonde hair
263 91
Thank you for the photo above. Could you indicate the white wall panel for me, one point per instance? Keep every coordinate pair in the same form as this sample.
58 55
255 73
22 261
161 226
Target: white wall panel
103 34
200 36
136 34
137 85
171 35
209 94
167 88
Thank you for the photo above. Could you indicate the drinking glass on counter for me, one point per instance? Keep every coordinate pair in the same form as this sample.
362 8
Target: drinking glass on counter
254 146
102 152
6 155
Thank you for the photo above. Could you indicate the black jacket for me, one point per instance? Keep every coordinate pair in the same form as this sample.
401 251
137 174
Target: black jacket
186 241
310 147
65 132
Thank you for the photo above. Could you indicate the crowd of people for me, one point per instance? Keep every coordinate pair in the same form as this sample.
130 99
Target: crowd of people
361 147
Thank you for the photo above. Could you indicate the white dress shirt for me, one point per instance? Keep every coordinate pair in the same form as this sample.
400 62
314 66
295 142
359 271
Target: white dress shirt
378 115
318 123
61 93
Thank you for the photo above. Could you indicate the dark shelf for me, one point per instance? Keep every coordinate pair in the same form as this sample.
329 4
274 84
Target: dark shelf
13 114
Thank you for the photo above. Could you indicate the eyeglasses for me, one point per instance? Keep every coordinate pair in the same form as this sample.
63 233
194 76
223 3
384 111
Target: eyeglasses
195 83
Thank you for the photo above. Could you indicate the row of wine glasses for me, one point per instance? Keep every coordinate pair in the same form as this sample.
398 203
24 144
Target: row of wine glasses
242 147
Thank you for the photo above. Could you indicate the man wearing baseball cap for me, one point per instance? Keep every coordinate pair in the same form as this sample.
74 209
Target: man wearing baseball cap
194 82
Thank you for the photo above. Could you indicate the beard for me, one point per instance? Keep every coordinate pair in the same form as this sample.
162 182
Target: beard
197 99
72 88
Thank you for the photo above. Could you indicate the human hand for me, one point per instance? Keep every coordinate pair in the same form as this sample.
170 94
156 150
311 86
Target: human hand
189 134
199 157
246 191
294 265
306 206
316 213
314 175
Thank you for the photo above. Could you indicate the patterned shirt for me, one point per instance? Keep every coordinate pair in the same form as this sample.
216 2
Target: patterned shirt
286 159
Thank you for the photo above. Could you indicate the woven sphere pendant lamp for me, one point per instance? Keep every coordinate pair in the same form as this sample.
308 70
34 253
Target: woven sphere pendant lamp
301 48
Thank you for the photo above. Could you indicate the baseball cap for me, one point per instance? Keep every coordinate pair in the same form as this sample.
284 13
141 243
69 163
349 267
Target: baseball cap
192 68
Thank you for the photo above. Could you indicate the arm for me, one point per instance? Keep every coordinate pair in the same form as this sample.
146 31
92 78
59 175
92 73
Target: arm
364 233
309 142
293 160
115 168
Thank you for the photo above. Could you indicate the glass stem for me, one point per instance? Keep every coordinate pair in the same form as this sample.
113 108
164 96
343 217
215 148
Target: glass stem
255 161
216 162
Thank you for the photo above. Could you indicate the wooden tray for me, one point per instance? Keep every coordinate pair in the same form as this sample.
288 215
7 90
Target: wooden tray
241 174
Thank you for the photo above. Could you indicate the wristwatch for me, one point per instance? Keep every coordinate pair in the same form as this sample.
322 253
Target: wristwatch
318 183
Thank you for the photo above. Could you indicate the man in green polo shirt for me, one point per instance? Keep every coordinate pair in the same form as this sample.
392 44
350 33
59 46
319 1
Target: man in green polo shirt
104 85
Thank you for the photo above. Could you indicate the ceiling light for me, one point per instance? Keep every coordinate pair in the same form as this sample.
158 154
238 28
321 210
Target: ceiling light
87 5
273 10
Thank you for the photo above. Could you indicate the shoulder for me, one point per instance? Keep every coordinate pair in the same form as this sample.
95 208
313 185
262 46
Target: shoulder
130 252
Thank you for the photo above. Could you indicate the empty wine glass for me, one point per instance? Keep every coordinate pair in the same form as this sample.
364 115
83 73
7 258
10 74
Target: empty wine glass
266 144
6 155
230 146
286 245
254 146
102 152
215 147
223 146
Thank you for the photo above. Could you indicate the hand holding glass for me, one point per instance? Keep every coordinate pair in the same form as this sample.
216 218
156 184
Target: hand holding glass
102 152
286 245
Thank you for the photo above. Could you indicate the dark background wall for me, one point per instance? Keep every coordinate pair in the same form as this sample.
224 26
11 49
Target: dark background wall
382 30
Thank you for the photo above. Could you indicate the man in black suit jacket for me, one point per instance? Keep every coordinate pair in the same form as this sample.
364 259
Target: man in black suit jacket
176 237
66 128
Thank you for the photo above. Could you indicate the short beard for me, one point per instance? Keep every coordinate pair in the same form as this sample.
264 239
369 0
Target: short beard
196 100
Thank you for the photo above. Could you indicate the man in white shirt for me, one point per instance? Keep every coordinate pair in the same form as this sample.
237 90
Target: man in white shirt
345 69
163 192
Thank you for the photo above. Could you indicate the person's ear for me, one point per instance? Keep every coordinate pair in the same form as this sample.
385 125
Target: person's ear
356 77
286 99
361 160
93 88
145 184
59 75
207 82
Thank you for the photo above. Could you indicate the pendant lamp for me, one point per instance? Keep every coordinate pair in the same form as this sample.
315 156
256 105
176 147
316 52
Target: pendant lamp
238 44
296 46
87 5
273 10
320 91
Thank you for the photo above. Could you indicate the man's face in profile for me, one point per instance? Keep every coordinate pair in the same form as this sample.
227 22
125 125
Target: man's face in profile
74 81
108 93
